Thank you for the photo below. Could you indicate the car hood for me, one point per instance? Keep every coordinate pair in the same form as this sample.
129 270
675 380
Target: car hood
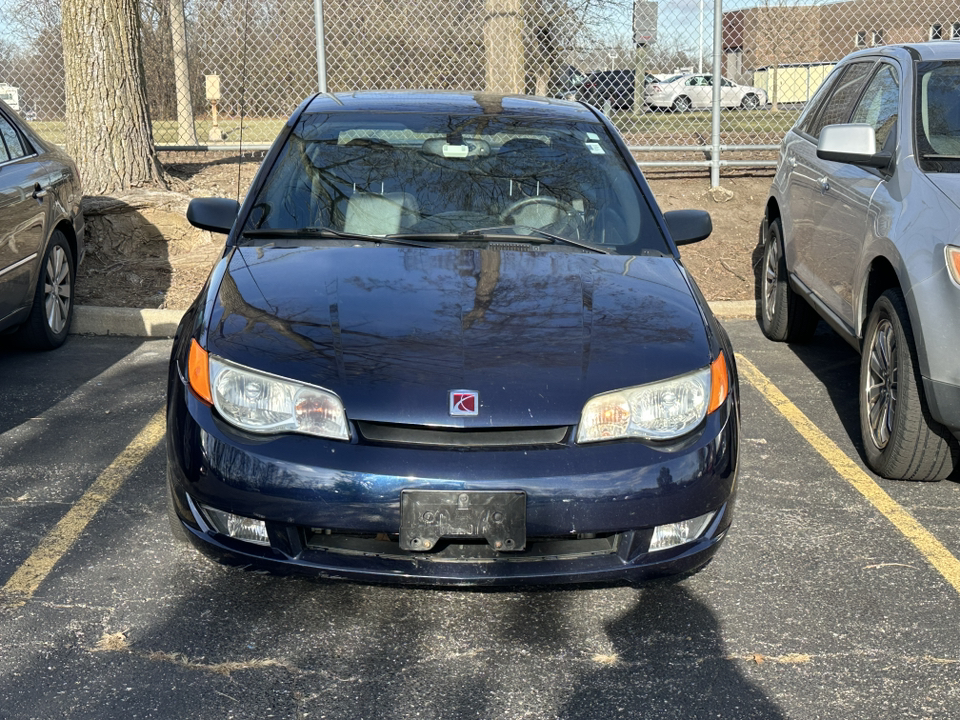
392 330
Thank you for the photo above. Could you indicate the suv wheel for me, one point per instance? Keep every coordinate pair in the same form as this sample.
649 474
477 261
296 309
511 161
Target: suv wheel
784 315
901 440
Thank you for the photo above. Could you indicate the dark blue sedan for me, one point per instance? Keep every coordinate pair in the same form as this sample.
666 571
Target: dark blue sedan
451 341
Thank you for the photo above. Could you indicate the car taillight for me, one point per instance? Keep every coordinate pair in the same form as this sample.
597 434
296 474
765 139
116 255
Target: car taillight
656 88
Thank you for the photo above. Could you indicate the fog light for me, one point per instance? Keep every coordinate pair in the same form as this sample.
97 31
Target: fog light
668 536
237 526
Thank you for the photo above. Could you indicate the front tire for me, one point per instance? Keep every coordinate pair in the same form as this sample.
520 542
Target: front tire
900 438
784 315
682 104
47 325
750 102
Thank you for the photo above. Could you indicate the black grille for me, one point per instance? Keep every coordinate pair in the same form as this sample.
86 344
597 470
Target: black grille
456 437
462 550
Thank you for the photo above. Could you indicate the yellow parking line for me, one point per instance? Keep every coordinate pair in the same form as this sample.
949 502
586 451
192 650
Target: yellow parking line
28 577
931 548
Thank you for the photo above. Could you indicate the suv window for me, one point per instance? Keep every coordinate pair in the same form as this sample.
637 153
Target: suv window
815 104
937 122
836 105
879 105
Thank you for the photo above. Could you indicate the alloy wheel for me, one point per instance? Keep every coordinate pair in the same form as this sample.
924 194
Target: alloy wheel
771 270
880 383
57 293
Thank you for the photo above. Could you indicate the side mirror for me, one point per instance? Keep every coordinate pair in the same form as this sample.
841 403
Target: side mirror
214 214
688 226
853 143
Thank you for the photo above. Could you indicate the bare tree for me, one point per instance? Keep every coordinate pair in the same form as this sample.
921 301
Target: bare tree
108 121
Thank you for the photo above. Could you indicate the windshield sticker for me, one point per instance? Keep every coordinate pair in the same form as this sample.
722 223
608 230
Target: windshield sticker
595 148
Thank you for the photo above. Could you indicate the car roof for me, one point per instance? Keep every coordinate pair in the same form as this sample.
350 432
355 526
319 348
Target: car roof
932 50
938 49
444 102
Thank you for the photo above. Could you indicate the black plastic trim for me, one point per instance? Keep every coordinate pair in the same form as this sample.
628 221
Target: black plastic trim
456 437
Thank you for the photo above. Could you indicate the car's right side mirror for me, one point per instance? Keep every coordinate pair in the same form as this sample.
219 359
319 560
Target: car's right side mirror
688 226
852 143
213 214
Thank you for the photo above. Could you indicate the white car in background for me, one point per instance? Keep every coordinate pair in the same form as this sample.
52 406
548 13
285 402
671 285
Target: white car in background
683 92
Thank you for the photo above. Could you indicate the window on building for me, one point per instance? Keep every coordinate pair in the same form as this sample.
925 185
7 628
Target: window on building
936 31
956 31
861 39
877 37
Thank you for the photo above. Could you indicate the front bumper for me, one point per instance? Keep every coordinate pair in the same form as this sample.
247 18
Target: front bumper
332 509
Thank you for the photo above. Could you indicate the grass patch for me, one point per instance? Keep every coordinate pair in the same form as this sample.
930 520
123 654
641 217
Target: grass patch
747 127
258 131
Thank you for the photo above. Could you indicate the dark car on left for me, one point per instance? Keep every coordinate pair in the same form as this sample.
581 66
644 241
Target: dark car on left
615 87
41 235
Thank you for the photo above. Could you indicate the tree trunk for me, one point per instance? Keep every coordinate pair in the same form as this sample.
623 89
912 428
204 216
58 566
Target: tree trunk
186 130
108 121
503 40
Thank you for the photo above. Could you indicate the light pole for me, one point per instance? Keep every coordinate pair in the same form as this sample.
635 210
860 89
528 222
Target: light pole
700 46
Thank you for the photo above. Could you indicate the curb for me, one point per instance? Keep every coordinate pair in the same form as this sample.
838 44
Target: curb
124 322
734 309
130 322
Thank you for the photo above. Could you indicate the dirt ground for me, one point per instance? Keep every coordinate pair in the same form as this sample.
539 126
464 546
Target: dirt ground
142 253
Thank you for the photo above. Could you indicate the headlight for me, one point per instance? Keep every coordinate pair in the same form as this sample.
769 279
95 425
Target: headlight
953 262
658 411
262 403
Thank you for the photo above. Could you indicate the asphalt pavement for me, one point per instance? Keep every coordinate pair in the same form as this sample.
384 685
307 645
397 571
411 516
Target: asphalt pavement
835 595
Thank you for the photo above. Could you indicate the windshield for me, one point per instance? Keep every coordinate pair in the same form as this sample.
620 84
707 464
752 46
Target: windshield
419 175
938 116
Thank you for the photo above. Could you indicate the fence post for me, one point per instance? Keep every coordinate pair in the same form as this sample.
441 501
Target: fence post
321 46
717 87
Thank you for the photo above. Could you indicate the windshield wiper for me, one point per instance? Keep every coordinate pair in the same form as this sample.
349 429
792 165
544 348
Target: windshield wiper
491 234
312 233
938 156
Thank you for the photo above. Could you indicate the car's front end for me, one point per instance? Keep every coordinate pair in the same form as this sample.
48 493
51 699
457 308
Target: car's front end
926 233
456 402
331 503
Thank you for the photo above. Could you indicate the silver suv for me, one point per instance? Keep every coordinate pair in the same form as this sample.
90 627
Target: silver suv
862 229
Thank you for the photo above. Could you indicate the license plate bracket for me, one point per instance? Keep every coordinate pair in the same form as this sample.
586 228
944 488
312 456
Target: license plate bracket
497 516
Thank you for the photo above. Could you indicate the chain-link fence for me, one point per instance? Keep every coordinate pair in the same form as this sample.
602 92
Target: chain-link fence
222 71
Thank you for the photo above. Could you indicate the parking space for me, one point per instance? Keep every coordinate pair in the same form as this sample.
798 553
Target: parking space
818 605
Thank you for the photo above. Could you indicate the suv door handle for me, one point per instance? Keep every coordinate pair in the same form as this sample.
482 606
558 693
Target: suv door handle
39 193
792 160
824 184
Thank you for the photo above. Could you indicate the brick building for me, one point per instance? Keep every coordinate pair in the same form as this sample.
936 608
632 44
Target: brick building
778 35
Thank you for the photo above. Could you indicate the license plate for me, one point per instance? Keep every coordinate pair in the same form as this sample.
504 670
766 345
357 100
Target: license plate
499 517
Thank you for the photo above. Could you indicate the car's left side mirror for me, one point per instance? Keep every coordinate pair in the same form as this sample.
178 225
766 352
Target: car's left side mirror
688 226
852 143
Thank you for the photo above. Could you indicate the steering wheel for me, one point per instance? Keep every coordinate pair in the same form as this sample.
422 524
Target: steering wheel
538 211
